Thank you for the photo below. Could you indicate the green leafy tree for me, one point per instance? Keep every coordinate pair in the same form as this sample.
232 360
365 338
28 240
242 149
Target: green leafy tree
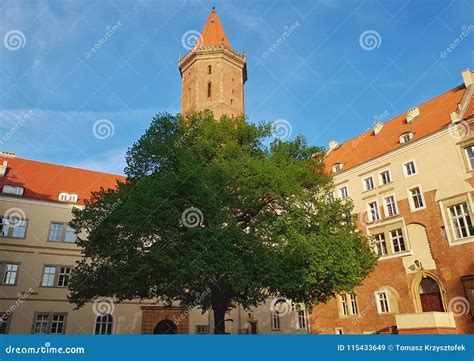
214 215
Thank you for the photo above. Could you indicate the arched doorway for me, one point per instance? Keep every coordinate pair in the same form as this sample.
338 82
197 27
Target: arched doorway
430 295
165 327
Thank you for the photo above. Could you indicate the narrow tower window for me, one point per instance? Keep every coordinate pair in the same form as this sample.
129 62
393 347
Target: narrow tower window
209 89
209 69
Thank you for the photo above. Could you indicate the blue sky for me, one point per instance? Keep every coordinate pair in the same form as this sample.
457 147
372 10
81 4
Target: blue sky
319 78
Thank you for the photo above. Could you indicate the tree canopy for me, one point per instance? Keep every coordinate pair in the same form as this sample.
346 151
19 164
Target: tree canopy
215 214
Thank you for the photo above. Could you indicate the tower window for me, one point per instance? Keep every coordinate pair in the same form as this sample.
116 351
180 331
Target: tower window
209 69
231 101
209 89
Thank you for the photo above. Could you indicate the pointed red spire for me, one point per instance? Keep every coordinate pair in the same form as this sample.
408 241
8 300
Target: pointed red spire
213 32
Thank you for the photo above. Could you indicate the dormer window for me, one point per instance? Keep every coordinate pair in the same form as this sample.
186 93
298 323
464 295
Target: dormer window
68 197
406 137
336 167
7 189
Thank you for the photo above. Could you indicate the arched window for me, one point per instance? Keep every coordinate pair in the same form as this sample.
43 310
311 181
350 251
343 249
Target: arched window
209 89
336 167
430 295
103 324
406 137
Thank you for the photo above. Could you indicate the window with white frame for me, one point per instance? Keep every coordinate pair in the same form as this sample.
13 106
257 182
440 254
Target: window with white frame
343 192
62 232
398 241
301 319
9 273
390 206
70 235
381 298
368 183
275 321
354 306
336 167
103 324
13 227
56 276
416 198
373 211
406 137
49 323
409 168
55 232
8 189
380 244
63 278
385 177
470 156
344 305
461 220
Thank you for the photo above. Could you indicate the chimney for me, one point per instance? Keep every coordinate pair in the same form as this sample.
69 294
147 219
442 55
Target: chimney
468 77
378 128
3 168
412 114
333 145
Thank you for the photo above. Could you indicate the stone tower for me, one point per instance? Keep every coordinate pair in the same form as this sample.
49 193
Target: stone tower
213 74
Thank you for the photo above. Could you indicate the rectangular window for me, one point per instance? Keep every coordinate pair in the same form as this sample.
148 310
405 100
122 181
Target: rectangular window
55 232
409 168
416 198
9 274
301 319
461 221
49 324
368 183
470 156
4 320
41 324
380 244
344 305
385 177
373 212
209 69
70 236
202 329
397 240
390 206
354 307
64 274
14 228
382 302
275 321
49 275
343 193
209 89
57 324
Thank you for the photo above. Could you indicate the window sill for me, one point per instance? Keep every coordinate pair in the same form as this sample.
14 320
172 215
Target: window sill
460 241
414 210
395 255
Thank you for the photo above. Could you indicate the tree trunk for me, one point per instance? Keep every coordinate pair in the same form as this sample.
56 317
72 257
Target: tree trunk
220 304
219 319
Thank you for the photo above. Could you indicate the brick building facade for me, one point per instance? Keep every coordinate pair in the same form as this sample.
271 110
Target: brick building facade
411 182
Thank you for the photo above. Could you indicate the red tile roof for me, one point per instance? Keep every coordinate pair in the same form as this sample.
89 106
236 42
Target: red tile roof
213 32
434 115
44 181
